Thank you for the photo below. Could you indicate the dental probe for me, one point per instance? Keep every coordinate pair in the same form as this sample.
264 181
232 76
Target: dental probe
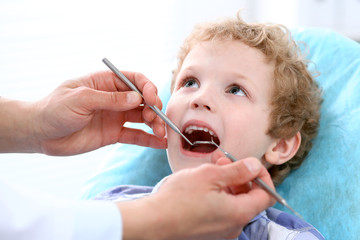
154 108
258 181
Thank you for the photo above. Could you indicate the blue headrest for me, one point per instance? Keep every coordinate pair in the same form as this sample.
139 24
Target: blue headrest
325 189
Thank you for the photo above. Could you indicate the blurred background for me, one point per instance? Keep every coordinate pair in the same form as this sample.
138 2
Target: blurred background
43 43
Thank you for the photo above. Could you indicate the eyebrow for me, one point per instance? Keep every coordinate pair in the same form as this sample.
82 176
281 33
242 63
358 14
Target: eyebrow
192 68
239 75
244 78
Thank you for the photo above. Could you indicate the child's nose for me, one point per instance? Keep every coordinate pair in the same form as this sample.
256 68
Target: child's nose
203 100
196 105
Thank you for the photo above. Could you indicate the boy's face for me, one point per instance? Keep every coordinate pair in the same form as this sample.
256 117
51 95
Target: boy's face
222 92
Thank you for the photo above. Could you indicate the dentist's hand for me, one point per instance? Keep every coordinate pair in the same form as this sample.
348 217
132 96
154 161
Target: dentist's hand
220 159
82 115
193 203
90 112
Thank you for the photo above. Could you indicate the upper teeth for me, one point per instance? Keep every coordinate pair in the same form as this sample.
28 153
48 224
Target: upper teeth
190 130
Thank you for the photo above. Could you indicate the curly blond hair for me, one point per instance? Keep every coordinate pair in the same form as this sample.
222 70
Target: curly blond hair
296 98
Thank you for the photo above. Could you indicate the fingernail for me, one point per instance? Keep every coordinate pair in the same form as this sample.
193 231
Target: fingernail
132 97
252 164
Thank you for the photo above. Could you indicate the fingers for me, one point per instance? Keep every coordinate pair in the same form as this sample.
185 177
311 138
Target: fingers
149 92
145 86
220 161
107 92
108 81
158 127
239 173
126 102
112 101
137 116
242 171
142 138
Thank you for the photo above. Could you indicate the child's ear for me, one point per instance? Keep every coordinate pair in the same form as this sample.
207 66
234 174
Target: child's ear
283 150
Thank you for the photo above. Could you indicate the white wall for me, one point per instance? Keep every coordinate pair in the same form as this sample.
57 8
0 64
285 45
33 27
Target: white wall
342 16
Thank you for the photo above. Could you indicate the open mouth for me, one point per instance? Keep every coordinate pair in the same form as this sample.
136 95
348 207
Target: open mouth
195 133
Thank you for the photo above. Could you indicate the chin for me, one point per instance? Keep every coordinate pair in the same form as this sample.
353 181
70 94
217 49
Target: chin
186 162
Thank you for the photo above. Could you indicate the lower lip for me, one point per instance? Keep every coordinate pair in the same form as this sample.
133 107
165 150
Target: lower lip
193 154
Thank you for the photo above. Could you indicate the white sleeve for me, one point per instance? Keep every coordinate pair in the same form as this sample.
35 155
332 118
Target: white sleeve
25 215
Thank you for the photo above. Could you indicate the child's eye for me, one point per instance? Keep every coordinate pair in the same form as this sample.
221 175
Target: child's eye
236 90
190 83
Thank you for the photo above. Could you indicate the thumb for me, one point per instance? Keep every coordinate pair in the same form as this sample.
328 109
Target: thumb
114 101
223 161
241 172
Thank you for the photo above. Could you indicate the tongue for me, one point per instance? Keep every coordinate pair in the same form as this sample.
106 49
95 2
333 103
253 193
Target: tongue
204 148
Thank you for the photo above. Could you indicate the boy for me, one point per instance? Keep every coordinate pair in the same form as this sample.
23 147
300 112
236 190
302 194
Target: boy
246 87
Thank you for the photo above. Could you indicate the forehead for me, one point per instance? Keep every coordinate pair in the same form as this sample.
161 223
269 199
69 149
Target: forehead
233 50
229 57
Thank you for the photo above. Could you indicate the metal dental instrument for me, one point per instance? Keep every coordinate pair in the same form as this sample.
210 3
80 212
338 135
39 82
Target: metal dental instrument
258 181
154 108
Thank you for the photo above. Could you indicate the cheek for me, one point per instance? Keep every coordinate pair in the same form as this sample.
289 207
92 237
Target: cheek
173 113
171 106
247 135
175 109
